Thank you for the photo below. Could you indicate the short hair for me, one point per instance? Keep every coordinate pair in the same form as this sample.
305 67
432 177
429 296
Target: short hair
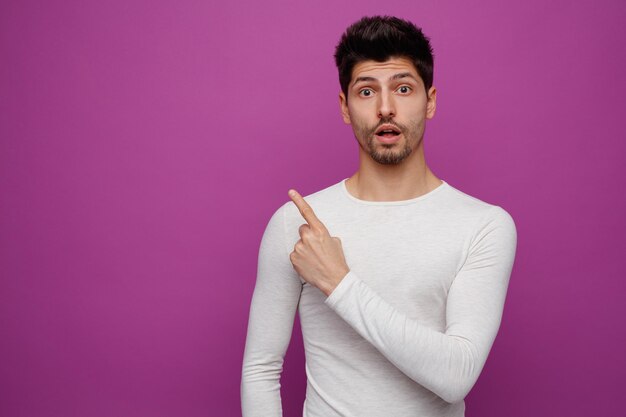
379 38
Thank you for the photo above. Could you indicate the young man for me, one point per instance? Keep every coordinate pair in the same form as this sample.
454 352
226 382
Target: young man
399 278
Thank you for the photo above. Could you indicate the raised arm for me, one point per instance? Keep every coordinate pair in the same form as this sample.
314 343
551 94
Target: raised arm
272 310
447 363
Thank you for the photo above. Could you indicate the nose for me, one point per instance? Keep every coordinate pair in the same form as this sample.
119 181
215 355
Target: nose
386 106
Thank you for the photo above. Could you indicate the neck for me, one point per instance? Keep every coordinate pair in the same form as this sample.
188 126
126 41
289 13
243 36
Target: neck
377 182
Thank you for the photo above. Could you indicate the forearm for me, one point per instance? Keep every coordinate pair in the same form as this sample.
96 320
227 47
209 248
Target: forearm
269 332
445 364
260 388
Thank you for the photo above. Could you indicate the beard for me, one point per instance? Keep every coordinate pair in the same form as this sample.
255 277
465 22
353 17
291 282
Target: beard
389 154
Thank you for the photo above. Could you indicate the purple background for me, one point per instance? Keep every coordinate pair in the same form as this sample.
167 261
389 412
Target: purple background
144 146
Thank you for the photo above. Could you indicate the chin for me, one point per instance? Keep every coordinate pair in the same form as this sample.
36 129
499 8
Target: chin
390 158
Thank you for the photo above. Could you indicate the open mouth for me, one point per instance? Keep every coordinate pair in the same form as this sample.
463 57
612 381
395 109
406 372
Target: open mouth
387 131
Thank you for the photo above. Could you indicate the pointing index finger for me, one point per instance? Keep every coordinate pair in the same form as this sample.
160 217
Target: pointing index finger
305 210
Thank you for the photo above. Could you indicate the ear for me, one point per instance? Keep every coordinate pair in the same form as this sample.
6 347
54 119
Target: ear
343 104
431 105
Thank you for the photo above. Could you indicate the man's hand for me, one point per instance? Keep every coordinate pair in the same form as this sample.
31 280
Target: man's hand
317 256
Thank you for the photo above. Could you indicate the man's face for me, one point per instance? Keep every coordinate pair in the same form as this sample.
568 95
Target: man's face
387 107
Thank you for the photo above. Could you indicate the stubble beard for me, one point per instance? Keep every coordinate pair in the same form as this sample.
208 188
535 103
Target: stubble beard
389 154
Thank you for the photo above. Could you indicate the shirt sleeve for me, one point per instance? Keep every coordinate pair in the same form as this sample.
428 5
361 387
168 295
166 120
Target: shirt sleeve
446 363
270 324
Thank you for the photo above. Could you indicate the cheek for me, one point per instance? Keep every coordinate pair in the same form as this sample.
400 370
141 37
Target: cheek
416 105
361 128
359 106
356 117
364 110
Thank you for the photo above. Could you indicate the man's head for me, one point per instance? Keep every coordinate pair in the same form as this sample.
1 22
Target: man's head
379 38
386 72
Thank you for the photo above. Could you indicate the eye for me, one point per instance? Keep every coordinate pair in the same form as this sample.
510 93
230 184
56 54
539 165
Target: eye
366 92
404 89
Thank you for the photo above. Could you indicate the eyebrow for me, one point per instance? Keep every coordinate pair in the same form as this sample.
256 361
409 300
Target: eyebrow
392 78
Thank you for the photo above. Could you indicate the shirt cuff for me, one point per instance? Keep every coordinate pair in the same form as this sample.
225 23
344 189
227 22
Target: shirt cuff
344 286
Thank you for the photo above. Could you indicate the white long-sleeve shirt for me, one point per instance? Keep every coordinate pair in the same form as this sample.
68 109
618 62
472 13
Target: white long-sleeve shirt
407 331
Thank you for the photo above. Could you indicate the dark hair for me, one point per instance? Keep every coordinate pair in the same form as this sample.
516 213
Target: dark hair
379 38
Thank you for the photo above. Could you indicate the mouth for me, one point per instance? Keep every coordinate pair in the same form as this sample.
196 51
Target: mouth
387 133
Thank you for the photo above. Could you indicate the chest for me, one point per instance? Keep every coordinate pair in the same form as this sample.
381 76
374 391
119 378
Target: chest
411 264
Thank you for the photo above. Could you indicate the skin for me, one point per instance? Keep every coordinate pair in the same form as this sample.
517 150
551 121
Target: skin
389 92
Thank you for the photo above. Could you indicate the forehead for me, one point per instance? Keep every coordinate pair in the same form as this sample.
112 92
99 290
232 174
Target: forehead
382 70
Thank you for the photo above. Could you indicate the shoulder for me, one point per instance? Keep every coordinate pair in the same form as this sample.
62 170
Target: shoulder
476 218
286 218
322 202
464 203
